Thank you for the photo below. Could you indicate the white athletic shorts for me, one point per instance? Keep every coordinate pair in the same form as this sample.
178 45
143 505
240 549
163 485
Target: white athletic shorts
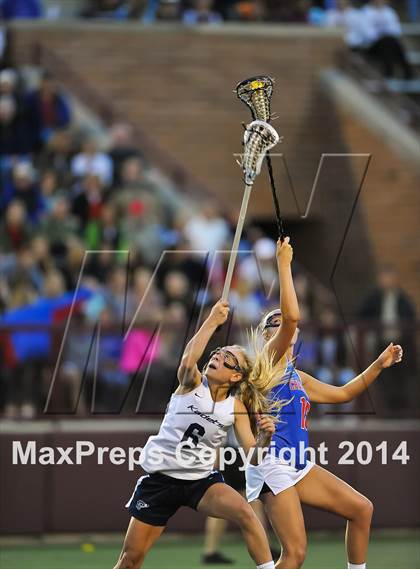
275 473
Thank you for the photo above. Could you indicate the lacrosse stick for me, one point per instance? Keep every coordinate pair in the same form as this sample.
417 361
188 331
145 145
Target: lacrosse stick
259 137
256 93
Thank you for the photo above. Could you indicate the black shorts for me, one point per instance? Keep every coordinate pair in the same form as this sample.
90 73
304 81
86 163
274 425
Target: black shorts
157 497
233 476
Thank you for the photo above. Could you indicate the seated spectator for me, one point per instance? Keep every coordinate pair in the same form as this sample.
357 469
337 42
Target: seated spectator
286 11
207 230
139 183
14 229
143 228
189 263
202 13
14 135
59 226
88 202
49 188
8 82
93 162
57 155
108 9
121 149
105 230
72 264
247 11
24 270
386 46
114 294
358 33
9 134
23 186
165 11
176 288
16 9
41 254
47 110
145 293
99 265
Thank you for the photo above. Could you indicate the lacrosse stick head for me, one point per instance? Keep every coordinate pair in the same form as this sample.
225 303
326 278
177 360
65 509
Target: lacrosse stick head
259 137
256 93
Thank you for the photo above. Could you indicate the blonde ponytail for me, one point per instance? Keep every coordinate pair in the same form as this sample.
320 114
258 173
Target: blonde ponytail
260 376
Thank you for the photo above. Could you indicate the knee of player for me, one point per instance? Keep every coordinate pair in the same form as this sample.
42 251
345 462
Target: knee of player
362 509
295 554
244 515
365 508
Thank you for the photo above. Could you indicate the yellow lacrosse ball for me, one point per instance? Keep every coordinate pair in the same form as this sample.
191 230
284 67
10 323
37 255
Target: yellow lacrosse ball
88 548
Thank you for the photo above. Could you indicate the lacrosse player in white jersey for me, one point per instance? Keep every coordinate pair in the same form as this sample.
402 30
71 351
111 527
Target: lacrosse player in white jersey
179 460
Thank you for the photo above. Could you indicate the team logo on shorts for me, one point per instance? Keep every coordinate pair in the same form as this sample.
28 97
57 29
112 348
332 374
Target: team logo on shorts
140 504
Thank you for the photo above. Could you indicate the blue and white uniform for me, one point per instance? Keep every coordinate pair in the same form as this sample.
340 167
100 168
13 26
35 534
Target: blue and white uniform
179 460
286 463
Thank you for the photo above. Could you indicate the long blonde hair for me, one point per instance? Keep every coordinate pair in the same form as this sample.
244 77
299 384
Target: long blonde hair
259 377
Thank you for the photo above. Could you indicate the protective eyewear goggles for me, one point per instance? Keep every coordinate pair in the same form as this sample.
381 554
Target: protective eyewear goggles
230 361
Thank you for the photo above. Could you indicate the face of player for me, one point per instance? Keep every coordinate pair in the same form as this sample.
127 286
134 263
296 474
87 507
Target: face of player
225 365
271 325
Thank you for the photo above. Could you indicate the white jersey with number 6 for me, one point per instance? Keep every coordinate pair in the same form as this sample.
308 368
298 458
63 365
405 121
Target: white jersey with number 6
193 428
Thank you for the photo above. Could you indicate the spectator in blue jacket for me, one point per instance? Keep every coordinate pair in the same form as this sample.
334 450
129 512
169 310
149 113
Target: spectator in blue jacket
23 187
47 111
24 9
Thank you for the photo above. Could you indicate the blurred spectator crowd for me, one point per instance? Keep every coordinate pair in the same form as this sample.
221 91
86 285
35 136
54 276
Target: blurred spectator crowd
84 221
192 12
371 28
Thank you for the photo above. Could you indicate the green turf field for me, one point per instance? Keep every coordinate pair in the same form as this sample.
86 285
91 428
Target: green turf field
397 552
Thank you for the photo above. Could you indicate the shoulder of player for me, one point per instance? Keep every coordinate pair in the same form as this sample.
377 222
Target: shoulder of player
304 377
187 389
240 406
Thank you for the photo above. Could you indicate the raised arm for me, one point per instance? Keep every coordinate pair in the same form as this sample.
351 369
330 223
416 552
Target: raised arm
320 392
188 374
280 342
244 433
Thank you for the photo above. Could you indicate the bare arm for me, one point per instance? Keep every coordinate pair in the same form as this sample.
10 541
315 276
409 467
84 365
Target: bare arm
188 374
244 433
320 392
280 342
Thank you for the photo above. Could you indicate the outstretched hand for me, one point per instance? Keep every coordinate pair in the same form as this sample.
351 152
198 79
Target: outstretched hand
391 355
284 251
219 313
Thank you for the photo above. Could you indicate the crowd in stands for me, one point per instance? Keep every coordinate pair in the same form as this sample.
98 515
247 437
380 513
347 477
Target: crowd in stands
371 28
84 220
193 12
